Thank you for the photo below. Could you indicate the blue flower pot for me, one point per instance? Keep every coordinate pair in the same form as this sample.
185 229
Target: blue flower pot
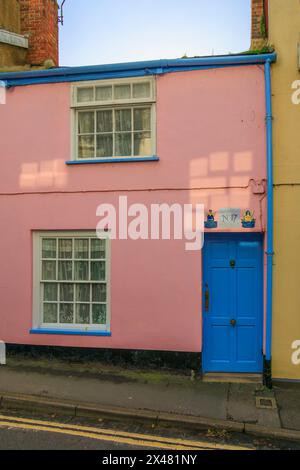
248 224
210 224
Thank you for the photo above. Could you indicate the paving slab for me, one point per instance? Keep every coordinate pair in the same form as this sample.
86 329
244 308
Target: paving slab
288 400
241 403
242 406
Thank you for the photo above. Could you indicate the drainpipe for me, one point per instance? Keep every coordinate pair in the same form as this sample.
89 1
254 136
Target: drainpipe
270 225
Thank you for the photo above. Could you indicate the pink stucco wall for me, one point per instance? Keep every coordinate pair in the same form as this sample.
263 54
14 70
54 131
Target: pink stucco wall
211 145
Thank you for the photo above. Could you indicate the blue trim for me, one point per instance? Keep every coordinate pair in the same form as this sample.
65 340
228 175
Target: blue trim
41 331
131 69
113 160
270 221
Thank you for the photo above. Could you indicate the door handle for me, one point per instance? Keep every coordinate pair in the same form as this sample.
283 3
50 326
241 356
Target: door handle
206 298
233 322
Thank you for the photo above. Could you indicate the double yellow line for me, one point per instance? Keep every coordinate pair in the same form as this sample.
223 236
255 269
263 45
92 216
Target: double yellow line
111 435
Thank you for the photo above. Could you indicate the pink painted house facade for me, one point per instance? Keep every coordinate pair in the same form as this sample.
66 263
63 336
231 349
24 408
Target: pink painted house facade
179 132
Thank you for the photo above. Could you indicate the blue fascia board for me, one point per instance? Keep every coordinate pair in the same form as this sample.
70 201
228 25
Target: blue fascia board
77 78
44 331
131 69
113 160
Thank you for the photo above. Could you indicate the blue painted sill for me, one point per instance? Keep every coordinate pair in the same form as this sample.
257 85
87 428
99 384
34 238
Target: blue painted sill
154 158
44 331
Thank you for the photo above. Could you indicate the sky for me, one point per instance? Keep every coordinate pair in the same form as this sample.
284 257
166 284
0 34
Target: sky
109 31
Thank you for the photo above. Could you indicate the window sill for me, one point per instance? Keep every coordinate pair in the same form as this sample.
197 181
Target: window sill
41 331
153 158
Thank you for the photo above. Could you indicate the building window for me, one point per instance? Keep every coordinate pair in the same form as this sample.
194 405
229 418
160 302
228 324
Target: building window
71 282
114 119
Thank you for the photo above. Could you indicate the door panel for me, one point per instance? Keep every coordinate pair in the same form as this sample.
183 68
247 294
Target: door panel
246 292
245 338
232 323
220 289
220 344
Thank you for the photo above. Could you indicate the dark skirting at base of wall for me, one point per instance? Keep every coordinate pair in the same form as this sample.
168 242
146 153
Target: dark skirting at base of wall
267 373
180 361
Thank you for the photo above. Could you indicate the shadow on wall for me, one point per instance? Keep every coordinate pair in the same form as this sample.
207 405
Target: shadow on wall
224 180
51 173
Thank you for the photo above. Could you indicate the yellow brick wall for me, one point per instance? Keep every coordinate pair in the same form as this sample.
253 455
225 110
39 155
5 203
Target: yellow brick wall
284 34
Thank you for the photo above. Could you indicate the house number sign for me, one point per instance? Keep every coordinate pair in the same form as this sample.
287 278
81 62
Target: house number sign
229 217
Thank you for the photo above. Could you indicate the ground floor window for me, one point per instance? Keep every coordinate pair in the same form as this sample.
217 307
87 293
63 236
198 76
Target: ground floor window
71 280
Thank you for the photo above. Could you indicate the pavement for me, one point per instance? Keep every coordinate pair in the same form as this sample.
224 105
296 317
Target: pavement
158 396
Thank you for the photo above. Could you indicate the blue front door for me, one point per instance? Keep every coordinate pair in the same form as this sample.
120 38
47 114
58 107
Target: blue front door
232 303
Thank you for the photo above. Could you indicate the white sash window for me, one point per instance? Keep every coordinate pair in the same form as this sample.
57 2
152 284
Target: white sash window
71 281
114 119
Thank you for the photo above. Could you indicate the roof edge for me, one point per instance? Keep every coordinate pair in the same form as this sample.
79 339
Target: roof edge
66 74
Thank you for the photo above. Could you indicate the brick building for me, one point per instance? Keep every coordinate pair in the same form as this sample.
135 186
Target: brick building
28 33
259 33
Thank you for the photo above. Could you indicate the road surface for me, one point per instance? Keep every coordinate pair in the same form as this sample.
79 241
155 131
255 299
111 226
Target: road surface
21 431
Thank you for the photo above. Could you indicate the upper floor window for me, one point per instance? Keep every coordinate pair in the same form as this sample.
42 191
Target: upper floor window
114 119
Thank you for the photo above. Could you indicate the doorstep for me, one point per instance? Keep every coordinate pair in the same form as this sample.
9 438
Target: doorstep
232 378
